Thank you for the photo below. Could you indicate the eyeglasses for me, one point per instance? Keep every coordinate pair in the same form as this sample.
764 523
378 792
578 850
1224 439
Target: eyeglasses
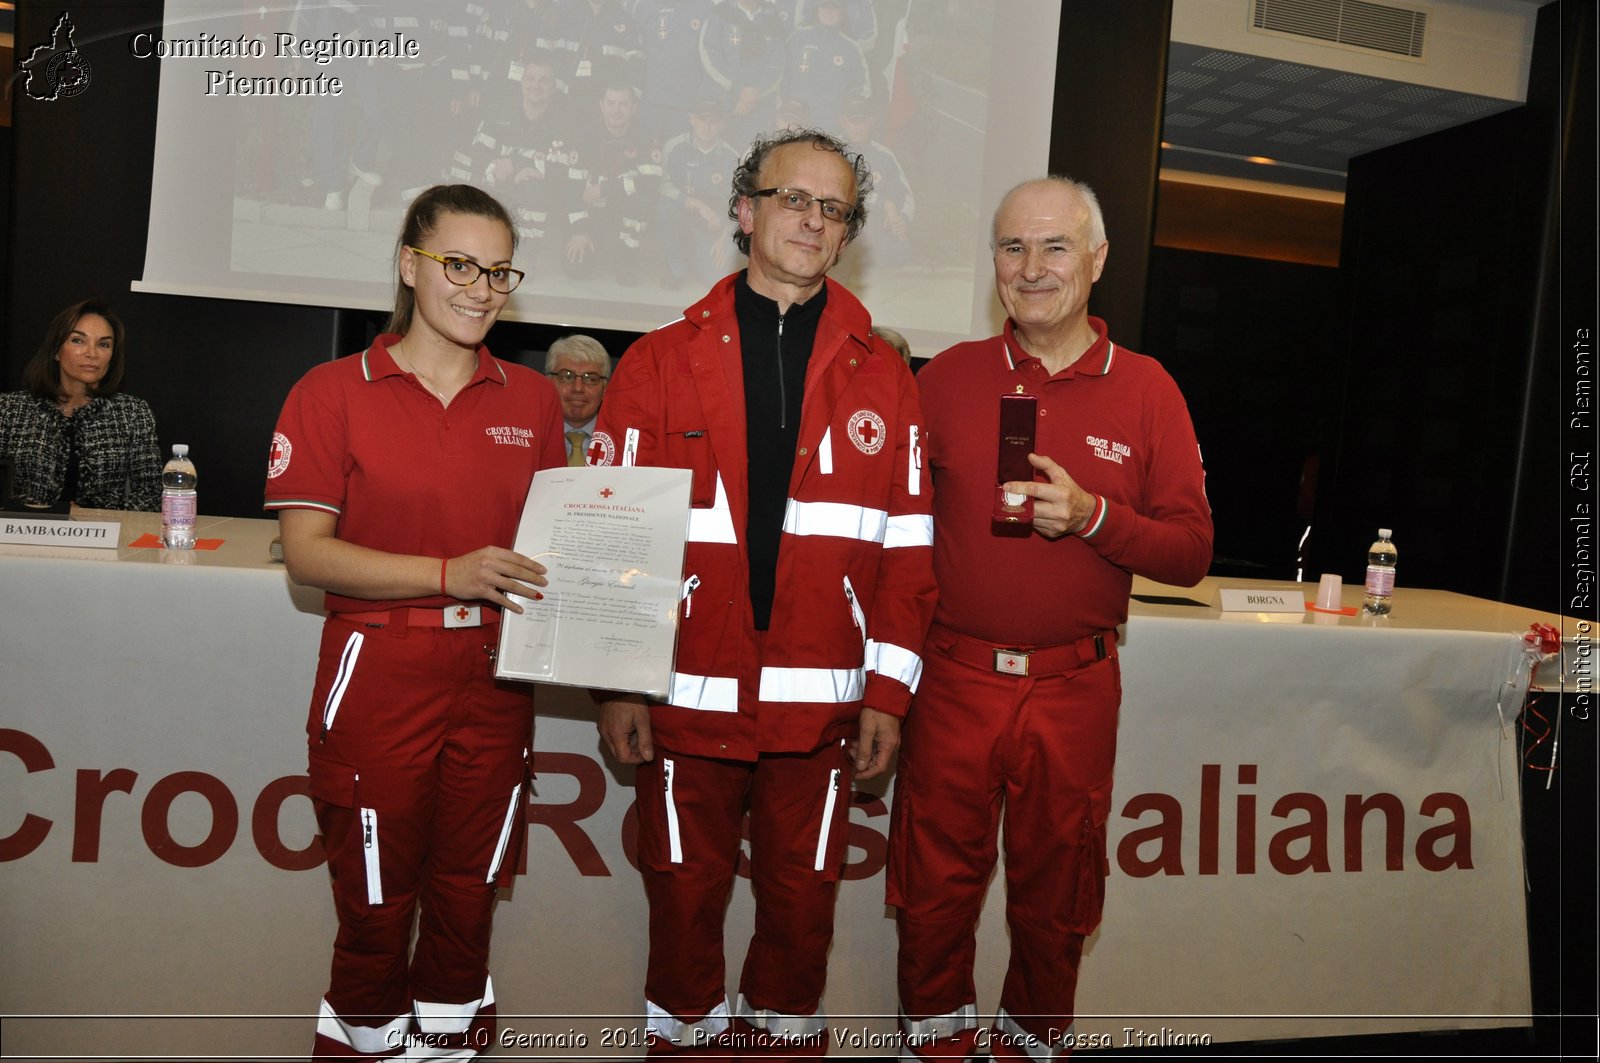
800 202
465 272
567 376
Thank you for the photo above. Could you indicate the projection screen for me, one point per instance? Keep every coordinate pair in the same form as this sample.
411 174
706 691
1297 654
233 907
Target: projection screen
291 137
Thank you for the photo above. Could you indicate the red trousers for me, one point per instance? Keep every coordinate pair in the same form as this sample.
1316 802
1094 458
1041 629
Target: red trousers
980 746
691 814
419 765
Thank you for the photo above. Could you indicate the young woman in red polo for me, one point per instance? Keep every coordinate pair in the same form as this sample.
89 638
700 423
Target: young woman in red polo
399 474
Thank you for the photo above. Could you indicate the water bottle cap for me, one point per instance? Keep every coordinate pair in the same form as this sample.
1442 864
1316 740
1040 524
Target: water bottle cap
180 450
1383 533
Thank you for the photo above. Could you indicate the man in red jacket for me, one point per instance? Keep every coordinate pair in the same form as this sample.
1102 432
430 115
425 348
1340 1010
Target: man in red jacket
1017 713
808 589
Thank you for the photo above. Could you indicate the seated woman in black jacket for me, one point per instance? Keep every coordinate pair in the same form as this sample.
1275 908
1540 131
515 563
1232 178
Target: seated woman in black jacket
71 432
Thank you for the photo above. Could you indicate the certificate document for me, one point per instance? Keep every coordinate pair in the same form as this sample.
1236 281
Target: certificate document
611 539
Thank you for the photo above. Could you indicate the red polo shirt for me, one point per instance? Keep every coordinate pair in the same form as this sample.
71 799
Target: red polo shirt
364 440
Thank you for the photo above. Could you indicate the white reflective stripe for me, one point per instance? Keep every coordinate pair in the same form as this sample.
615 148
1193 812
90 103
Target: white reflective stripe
896 662
452 1018
835 518
828 804
674 839
708 693
833 686
924 1032
630 446
714 525
369 853
1036 1049
341 678
780 1024
825 452
663 1023
367 1040
909 529
505 833
914 464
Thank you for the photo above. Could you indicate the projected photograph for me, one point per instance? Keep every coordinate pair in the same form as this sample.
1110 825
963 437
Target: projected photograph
609 129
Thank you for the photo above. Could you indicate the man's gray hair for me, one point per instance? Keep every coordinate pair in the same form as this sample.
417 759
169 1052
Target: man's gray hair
585 350
746 176
1097 220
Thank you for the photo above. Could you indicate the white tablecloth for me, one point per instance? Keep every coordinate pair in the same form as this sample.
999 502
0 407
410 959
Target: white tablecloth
157 855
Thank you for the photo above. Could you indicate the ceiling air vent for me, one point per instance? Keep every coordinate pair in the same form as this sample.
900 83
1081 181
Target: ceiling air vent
1356 23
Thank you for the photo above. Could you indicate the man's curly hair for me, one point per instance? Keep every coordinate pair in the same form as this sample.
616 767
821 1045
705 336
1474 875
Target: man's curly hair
746 177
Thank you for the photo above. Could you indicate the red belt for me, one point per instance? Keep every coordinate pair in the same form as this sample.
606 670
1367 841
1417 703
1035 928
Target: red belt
1025 660
458 615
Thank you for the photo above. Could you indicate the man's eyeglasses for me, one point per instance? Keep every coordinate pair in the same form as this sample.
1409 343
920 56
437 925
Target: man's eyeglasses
800 202
465 272
567 376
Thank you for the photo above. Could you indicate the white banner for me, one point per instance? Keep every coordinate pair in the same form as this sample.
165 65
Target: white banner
1306 819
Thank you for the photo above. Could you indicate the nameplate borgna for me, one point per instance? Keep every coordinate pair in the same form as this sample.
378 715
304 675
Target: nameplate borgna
1262 601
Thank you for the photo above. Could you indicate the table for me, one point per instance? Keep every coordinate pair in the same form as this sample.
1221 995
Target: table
1315 827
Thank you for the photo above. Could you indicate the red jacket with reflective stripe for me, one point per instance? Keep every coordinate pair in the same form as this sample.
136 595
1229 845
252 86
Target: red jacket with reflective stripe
855 590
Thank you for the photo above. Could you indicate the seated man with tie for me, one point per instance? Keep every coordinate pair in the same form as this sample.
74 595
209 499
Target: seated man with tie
580 367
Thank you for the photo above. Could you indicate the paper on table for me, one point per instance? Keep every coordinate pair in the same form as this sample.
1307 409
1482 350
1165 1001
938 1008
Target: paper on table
612 540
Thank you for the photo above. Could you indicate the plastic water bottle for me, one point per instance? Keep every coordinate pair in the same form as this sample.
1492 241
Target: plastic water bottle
179 500
1381 557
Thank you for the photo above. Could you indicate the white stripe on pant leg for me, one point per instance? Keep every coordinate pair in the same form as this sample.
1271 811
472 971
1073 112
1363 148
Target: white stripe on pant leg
505 833
1035 1048
779 1024
370 854
451 1018
923 1033
674 841
437 1022
669 1027
828 804
368 1040
341 678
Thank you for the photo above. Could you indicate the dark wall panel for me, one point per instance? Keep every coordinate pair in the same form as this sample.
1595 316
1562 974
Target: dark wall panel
1249 342
214 371
1442 259
1111 76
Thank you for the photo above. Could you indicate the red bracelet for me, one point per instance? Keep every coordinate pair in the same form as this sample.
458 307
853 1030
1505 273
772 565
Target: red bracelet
444 563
